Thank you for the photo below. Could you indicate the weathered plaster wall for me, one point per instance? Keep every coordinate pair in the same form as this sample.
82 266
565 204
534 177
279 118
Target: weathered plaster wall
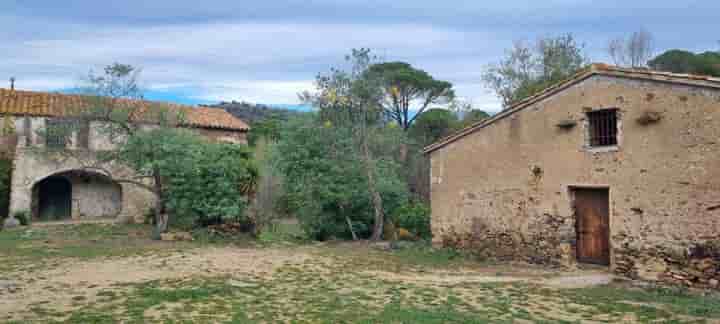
94 196
504 190
34 165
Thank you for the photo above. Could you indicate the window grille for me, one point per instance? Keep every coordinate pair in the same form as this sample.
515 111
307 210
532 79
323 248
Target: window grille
603 127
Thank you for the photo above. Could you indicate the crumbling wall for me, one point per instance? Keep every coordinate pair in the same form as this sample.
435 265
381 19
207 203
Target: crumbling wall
507 188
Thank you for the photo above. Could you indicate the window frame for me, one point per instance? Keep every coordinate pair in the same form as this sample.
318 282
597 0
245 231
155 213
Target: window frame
608 134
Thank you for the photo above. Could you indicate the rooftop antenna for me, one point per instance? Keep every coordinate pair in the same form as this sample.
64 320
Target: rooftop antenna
12 83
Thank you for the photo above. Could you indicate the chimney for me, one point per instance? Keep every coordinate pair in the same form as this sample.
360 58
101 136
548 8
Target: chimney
12 83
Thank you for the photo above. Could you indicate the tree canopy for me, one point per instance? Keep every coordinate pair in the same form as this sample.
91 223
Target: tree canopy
530 68
408 92
681 61
433 125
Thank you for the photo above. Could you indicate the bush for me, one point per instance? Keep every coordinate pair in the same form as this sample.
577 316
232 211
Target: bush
326 182
23 217
215 189
203 182
414 217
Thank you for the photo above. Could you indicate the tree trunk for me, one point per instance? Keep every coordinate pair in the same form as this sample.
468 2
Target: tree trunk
375 195
352 231
161 217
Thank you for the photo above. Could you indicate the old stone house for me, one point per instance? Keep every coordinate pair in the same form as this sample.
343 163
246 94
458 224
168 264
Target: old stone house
618 167
50 184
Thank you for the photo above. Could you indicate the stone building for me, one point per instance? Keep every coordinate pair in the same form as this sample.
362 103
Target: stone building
618 167
50 184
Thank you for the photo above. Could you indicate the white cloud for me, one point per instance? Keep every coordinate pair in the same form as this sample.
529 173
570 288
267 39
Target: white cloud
253 61
261 91
267 51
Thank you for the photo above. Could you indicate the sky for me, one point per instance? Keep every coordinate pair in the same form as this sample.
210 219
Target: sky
268 51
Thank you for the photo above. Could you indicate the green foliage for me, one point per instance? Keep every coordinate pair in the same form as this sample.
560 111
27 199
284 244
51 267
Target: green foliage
282 233
214 189
528 69
269 203
680 61
414 217
406 88
23 217
8 126
203 181
268 129
326 181
433 125
254 113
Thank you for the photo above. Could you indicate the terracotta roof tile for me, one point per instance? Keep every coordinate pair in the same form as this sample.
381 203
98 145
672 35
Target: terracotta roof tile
593 69
19 102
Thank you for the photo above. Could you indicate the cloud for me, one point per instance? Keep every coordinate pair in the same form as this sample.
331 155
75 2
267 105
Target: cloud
267 51
219 60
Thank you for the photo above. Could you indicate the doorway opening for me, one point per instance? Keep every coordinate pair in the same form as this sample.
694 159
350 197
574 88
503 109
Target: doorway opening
54 199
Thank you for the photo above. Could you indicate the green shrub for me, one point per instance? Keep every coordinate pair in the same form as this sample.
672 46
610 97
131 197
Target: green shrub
326 183
215 189
23 217
204 182
414 217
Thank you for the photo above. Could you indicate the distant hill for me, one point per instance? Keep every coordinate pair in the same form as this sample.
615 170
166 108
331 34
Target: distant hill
253 113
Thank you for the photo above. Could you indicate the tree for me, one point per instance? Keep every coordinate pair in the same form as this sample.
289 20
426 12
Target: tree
326 178
407 91
528 69
433 125
350 101
634 51
681 61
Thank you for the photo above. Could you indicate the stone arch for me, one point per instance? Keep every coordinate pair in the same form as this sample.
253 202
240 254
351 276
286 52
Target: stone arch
92 195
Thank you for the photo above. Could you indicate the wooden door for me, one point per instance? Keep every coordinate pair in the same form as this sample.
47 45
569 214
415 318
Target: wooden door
592 208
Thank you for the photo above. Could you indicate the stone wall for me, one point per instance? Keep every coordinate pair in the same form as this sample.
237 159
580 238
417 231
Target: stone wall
506 190
32 165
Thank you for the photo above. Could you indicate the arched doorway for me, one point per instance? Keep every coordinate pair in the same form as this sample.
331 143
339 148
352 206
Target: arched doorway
54 199
76 194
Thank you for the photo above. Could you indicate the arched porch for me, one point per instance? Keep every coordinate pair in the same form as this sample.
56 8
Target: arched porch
76 194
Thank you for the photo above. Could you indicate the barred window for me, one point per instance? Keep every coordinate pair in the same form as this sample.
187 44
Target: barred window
57 132
603 127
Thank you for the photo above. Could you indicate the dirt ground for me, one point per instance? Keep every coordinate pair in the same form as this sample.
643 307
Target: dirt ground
300 282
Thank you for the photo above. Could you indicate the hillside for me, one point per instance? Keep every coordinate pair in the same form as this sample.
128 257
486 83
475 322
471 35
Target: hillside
253 113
